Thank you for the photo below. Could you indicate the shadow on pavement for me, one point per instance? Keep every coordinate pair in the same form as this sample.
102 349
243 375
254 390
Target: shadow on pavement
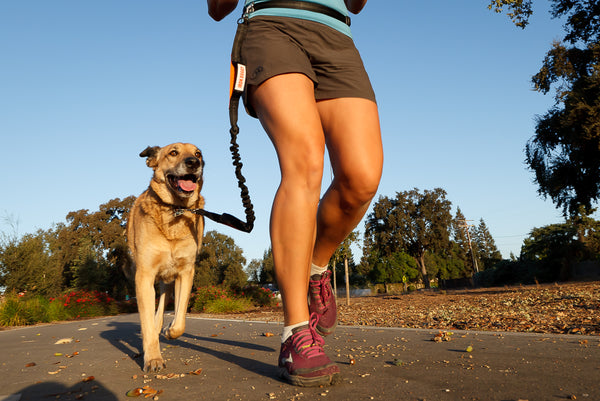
126 337
90 391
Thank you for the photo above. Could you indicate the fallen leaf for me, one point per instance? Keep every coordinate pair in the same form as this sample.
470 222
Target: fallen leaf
64 341
136 392
30 364
88 379
268 334
196 372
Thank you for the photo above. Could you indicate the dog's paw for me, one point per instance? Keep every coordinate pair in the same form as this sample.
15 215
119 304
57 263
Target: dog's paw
171 333
154 365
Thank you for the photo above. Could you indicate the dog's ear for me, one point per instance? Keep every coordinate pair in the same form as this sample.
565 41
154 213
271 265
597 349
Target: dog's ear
151 154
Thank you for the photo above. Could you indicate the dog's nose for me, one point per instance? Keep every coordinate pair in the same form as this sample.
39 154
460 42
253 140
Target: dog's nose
192 163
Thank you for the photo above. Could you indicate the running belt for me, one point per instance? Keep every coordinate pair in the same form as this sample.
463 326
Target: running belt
298 5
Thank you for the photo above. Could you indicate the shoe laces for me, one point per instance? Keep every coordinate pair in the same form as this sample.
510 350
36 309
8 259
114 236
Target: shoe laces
321 290
307 342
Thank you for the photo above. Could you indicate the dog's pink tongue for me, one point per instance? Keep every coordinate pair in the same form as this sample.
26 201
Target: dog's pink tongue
187 185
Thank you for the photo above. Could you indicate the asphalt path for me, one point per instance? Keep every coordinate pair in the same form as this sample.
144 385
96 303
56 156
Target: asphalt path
99 359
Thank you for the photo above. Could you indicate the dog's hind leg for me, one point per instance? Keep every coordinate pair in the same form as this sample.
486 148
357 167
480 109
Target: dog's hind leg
183 288
144 288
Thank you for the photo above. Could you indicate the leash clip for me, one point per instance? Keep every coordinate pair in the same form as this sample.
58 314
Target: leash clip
178 212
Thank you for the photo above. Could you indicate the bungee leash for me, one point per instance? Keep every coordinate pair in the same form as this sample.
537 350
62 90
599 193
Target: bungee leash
237 87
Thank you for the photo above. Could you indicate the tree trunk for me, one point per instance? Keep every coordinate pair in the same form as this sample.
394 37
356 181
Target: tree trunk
347 281
424 275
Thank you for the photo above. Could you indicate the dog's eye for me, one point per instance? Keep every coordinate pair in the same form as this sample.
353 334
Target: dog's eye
198 154
173 153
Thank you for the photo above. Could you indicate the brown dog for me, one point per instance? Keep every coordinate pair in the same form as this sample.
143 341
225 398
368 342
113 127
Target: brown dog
164 244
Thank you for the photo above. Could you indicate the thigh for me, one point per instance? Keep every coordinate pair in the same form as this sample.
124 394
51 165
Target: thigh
287 109
353 136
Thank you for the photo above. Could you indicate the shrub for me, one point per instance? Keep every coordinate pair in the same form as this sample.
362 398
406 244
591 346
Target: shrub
213 299
259 296
12 312
205 295
228 305
82 303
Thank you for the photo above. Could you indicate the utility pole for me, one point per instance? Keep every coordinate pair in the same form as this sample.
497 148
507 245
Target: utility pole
466 227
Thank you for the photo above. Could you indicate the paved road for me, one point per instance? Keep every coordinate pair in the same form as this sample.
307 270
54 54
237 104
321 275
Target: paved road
238 363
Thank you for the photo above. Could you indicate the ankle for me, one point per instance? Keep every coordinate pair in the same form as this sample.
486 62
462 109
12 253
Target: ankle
317 270
289 330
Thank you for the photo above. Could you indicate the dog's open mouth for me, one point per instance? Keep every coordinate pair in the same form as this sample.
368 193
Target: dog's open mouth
185 184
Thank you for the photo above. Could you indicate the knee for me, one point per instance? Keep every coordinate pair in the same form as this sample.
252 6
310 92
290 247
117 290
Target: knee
304 174
358 190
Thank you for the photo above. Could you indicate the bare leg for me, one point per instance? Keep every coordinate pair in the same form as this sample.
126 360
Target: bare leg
288 112
353 137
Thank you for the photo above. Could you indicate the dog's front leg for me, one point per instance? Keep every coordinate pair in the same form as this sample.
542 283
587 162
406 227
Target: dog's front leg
183 288
145 294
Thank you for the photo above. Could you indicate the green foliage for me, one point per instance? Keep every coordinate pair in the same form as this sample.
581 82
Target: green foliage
19 310
82 303
220 299
564 153
207 294
26 264
220 262
259 296
519 11
392 269
412 222
229 305
262 271
485 247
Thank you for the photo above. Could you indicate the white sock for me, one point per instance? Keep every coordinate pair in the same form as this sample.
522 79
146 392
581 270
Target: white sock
287 330
314 269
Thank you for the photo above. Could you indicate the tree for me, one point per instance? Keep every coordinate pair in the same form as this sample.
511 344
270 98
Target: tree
262 271
460 236
392 269
487 252
220 262
101 237
412 222
564 153
26 265
343 255
553 248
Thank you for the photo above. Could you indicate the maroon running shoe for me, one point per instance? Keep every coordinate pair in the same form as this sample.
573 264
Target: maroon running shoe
322 302
303 362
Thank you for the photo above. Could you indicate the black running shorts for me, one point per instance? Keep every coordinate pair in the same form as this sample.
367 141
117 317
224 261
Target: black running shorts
280 45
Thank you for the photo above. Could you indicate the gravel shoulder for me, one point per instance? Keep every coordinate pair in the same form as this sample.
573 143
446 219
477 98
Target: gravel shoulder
560 308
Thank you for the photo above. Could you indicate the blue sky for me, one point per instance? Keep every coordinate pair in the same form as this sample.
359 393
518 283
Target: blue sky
85 86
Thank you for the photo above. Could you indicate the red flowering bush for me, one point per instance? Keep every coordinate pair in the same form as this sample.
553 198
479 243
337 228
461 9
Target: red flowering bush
259 296
205 295
82 303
